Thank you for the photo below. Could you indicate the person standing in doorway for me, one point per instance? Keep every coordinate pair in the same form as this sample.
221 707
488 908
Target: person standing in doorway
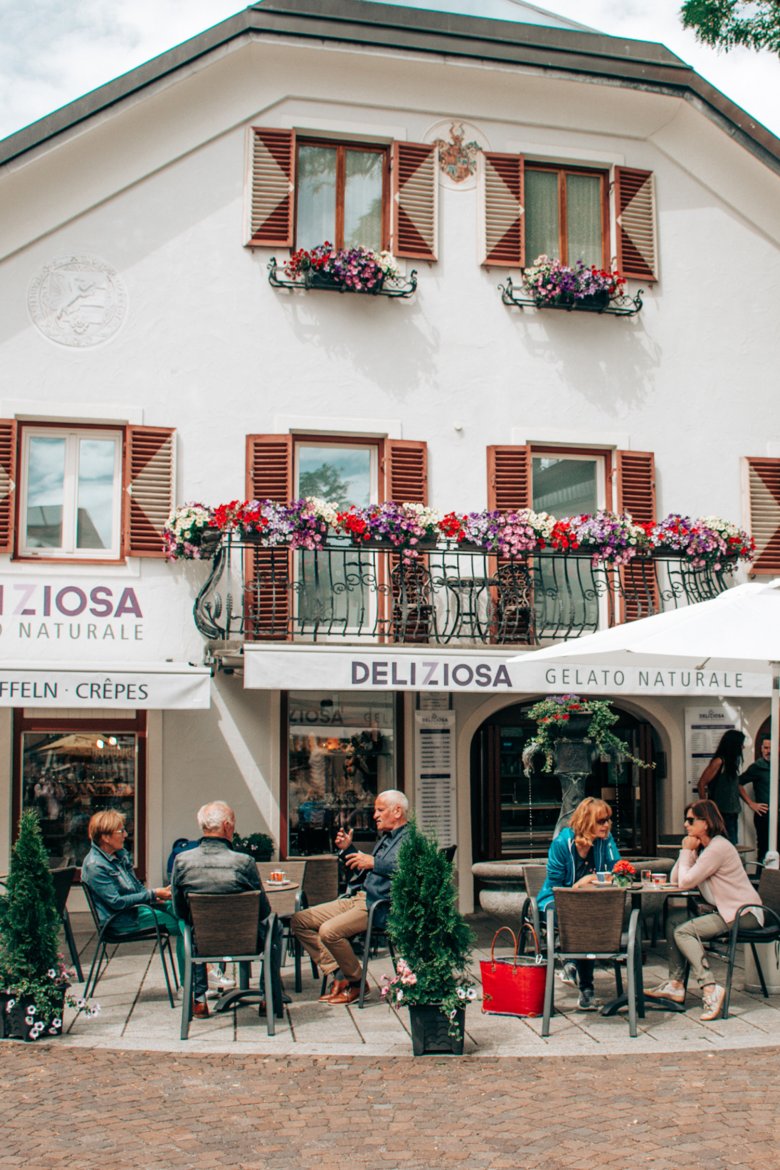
757 774
719 782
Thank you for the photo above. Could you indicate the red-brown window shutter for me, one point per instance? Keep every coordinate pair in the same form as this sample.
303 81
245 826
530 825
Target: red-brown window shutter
636 485
504 227
149 488
510 487
268 572
637 250
764 497
636 494
406 471
7 483
272 190
415 200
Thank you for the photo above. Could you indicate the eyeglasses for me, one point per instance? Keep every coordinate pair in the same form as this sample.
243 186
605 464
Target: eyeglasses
603 820
690 820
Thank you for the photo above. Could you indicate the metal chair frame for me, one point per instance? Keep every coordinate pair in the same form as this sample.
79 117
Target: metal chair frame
63 880
107 936
769 893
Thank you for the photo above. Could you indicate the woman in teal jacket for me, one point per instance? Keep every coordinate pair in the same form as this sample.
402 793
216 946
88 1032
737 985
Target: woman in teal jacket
576 855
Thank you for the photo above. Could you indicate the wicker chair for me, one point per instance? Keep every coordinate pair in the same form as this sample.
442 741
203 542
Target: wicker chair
590 926
534 877
228 928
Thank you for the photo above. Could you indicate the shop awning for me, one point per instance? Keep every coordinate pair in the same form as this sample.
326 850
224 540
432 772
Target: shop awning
398 668
144 686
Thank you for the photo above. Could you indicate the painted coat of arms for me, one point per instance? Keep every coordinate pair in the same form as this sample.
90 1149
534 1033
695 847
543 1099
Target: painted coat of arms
457 157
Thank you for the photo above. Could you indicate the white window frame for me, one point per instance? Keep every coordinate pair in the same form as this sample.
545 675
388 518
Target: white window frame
68 549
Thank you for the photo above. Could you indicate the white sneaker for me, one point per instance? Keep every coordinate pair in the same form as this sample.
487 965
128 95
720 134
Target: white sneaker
666 991
220 983
713 1003
568 974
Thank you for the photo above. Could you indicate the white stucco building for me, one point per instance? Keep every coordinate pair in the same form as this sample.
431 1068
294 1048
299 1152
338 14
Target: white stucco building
148 361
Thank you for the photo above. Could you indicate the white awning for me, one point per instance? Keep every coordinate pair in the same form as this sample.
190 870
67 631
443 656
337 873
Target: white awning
144 686
397 668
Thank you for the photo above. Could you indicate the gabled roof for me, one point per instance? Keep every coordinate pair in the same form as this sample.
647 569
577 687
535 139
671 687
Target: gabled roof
589 55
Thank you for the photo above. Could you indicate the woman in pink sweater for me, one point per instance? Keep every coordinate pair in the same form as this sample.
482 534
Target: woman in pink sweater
710 862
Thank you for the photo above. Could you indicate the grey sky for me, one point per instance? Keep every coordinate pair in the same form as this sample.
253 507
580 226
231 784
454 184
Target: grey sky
53 51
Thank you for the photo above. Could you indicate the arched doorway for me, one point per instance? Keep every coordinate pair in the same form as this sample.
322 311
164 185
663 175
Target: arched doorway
513 813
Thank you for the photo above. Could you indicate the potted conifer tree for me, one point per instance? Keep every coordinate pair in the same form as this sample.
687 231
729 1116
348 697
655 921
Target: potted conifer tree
434 944
32 979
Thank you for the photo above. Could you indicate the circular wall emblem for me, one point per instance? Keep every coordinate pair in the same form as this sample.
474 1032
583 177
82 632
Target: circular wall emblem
77 300
459 146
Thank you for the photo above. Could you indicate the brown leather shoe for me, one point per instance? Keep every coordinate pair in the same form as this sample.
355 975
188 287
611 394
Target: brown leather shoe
336 988
200 1010
351 993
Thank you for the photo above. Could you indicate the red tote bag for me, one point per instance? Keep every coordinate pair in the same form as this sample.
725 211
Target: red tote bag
514 986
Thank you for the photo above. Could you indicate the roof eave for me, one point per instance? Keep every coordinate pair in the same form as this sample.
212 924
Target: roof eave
636 64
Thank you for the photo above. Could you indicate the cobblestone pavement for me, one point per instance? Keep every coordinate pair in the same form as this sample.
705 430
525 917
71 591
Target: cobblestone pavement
81 1108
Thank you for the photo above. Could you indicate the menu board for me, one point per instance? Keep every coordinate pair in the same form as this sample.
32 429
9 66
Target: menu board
704 726
434 750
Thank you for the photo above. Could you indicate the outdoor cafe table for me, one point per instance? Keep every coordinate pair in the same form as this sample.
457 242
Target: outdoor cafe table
635 891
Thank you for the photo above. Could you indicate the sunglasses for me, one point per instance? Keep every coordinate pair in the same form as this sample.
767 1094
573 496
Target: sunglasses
603 820
690 820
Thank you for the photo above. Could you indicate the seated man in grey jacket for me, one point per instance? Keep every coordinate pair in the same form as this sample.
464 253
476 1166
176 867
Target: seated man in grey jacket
212 867
325 930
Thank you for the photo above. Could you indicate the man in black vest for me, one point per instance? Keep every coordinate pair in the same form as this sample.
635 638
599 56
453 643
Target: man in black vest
325 930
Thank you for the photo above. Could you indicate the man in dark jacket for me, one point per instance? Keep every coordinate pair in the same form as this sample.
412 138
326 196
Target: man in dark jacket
325 930
758 775
213 867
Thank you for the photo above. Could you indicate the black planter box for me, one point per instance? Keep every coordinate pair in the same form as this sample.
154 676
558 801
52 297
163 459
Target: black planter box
430 1031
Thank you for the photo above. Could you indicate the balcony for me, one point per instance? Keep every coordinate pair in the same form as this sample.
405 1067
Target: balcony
445 596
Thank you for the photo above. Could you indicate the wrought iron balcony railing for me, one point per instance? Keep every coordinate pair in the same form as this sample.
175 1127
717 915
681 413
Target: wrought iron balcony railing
442 596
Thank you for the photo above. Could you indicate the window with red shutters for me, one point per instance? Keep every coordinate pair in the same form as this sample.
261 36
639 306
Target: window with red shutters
763 482
86 492
306 190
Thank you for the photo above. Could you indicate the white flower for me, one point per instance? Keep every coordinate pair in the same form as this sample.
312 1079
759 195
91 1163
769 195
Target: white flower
472 993
461 993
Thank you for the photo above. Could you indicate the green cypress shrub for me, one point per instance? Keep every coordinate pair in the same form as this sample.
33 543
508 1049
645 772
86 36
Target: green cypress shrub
431 936
29 923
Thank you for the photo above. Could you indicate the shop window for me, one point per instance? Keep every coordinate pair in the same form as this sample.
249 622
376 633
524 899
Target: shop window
341 753
84 492
67 773
304 191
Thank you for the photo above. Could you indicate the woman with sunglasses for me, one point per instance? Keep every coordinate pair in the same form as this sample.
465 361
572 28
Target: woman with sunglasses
710 862
580 852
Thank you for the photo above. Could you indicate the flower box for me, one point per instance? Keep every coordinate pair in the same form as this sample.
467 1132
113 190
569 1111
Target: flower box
21 1021
323 279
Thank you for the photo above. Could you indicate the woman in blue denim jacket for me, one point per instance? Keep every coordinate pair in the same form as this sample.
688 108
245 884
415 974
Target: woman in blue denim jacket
575 857
108 871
